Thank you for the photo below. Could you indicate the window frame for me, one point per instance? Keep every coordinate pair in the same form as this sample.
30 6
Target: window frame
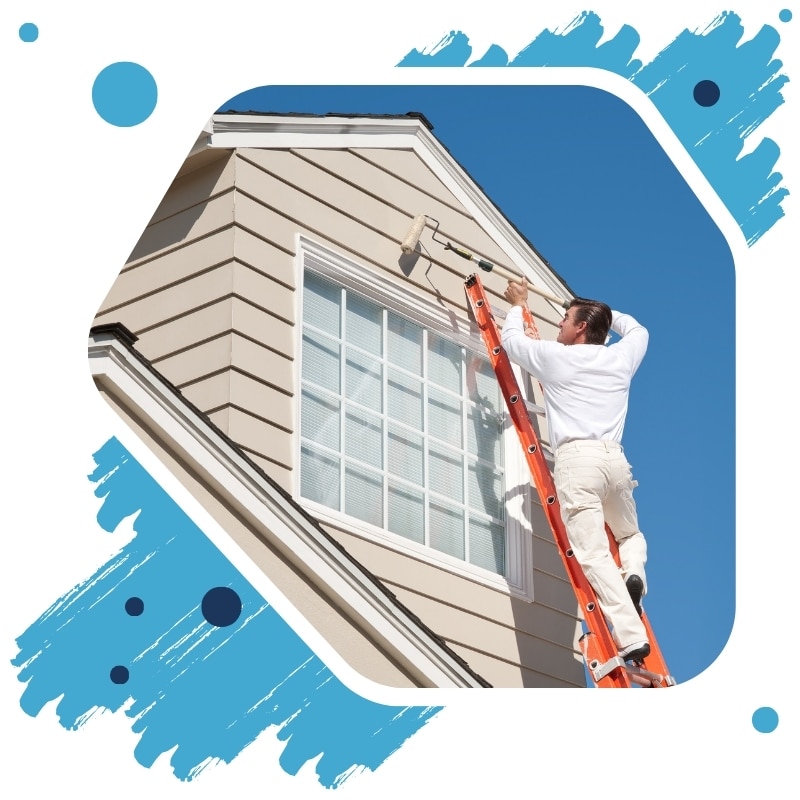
346 272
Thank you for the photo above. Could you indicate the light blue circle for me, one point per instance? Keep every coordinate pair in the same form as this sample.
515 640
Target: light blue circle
124 94
765 719
28 32
785 15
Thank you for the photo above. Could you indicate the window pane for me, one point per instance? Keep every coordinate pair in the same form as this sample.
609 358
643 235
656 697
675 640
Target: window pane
363 325
485 488
487 545
322 304
446 472
363 436
319 419
363 379
363 492
406 454
321 361
446 529
319 477
444 417
404 399
482 385
404 344
406 513
444 363
484 435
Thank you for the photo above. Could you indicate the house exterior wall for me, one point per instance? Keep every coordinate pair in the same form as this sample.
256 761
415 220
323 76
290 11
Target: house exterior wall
211 292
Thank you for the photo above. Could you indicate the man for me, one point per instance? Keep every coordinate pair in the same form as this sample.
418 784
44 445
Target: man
586 386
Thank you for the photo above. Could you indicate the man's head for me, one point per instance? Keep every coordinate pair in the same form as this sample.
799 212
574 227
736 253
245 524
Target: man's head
585 322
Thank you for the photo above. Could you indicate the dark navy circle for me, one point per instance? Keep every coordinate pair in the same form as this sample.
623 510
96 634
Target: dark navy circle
706 93
134 606
221 606
119 674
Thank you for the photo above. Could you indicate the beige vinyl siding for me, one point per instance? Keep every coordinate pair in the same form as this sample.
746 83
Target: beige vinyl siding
210 290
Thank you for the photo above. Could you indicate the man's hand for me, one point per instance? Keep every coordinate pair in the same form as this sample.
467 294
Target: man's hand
517 293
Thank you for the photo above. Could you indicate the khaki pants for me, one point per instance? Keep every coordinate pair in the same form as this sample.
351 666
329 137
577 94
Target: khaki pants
594 485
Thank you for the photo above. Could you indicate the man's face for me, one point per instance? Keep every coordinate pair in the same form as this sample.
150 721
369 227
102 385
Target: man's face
569 331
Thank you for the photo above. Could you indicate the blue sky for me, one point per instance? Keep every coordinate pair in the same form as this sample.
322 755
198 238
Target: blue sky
579 174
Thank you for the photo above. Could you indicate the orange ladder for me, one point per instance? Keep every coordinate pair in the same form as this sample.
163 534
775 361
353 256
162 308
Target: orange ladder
605 666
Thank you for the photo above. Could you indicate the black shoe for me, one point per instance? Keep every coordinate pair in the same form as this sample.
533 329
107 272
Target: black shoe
637 651
635 589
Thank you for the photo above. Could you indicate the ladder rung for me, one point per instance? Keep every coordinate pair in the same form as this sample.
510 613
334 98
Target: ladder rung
646 678
533 408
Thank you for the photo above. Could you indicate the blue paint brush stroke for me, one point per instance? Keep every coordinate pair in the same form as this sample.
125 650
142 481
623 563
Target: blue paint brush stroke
746 74
204 690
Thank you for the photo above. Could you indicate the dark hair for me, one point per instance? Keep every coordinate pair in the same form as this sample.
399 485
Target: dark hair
597 317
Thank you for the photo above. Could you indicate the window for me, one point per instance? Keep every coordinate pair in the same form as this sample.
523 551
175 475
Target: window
401 425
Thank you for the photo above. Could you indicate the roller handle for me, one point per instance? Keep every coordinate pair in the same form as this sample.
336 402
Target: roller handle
487 266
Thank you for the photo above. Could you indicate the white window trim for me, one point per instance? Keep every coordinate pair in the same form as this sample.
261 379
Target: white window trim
518 580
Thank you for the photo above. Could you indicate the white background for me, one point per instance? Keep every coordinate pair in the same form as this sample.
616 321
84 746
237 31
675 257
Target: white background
77 194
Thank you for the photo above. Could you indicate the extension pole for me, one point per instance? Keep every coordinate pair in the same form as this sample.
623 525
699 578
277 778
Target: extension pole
487 266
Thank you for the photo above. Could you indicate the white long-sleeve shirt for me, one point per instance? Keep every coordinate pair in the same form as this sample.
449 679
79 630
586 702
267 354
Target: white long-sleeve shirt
586 386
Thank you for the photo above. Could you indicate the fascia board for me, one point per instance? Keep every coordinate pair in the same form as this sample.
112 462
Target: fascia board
203 450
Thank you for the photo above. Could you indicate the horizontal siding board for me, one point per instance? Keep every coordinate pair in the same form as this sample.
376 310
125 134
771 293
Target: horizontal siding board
511 676
262 399
175 267
196 362
177 300
184 332
210 392
260 436
266 256
554 592
197 186
277 472
195 222
263 290
405 164
262 361
261 325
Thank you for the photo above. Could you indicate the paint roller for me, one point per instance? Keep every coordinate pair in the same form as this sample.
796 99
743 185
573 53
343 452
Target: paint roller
409 245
